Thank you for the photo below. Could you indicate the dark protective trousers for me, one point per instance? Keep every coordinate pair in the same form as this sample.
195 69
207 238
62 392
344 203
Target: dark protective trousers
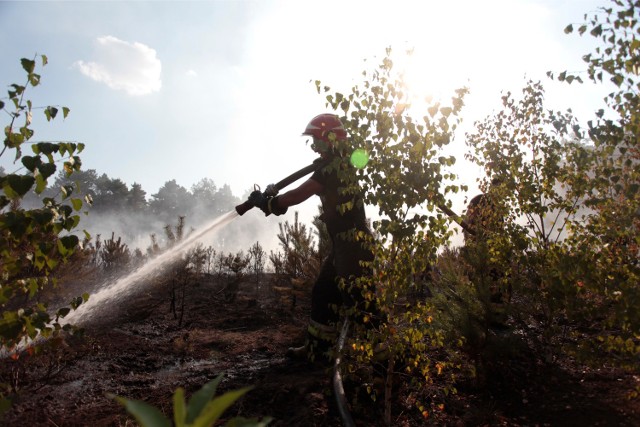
327 296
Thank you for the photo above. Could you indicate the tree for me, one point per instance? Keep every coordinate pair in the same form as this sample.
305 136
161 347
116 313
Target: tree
531 157
299 254
225 200
137 199
204 196
237 264
204 191
114 255
171 201
258 259
607 241
407 180
111 194
570 195
84 182
34 241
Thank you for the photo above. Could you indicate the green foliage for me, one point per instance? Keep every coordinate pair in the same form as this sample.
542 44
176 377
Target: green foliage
114 255
609 240
407 177
569 195
203 409
531 158
406 168
34 241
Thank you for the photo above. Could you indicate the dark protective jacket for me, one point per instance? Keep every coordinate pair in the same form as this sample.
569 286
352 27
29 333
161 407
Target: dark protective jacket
346 255
333 197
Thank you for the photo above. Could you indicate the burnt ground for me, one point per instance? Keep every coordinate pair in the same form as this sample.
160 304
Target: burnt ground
141 351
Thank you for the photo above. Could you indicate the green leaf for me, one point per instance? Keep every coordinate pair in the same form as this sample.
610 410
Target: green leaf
45 60
5 405
248 422
568 29
31 162
179 410
66 190
145 414
216 407
47 169
18 185
41 184
617 80
67 244
65 112
10 325
28 65
63 312
596 31
200 398
77 204
46 148
42 216
4 201
50 113
34 79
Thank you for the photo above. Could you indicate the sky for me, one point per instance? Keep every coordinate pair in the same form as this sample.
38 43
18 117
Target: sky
186 90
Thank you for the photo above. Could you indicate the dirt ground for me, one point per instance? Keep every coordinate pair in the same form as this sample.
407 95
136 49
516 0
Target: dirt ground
140 351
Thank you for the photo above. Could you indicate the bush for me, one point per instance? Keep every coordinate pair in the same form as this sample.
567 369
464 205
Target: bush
35 242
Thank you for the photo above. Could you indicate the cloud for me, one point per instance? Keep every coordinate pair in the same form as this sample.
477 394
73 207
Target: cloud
192 73
131 67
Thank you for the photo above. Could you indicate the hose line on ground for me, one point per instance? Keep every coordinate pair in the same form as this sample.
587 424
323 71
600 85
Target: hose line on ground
338 388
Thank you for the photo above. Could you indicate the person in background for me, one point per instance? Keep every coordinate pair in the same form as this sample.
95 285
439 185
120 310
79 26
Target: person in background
488 270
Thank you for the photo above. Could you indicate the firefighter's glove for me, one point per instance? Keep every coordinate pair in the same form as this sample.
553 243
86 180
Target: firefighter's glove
268 205
271 190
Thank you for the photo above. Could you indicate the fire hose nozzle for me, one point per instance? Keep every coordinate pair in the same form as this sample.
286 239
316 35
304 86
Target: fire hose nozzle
273 189
244 207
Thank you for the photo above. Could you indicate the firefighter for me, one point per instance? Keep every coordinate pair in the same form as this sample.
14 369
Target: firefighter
344 262
488 270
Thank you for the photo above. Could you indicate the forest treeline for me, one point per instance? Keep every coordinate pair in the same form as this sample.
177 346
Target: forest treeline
130 211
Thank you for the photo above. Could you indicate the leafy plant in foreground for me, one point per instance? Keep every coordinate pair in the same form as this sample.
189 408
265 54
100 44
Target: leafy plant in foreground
203 409
33 242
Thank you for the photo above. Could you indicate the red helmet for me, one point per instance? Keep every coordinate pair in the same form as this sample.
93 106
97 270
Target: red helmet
320 126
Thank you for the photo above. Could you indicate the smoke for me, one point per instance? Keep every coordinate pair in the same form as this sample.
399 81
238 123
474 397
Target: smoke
136 229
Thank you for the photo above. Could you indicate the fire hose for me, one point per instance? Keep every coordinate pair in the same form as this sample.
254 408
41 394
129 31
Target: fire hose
338 387
246 206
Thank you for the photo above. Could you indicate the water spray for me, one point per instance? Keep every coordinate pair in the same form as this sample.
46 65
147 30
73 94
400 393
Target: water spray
122 287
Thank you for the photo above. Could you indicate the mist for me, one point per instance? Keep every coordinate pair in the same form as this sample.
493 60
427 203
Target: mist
125 211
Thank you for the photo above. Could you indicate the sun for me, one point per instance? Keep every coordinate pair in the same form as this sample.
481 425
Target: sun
430 76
